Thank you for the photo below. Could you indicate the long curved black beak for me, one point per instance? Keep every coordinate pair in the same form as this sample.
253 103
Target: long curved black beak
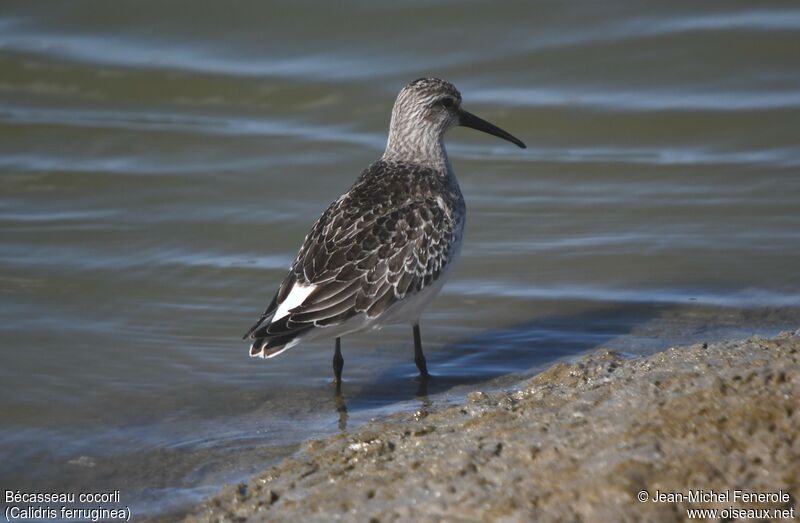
473 122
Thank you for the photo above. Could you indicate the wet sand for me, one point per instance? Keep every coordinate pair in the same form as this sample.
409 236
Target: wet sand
577 442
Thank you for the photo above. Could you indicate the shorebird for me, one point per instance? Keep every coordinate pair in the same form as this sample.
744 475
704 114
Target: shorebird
381 252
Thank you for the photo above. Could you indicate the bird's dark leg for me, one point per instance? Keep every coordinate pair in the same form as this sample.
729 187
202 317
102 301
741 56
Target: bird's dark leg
419 357
338 362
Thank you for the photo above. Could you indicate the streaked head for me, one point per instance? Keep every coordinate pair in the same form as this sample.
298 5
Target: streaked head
423 112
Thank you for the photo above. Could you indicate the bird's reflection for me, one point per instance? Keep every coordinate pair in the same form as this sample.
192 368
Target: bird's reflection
422 390
340 403
341 407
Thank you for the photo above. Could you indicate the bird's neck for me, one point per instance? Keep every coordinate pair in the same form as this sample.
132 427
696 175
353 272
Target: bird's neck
417 147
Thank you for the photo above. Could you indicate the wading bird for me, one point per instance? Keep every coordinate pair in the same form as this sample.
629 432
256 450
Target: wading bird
381 252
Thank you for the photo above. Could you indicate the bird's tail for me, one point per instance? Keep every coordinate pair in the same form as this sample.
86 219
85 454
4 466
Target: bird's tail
271 337
271 346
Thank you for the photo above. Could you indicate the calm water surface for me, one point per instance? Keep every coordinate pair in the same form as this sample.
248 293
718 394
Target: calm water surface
161 162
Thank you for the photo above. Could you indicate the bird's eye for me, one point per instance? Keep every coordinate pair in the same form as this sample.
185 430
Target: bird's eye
447 103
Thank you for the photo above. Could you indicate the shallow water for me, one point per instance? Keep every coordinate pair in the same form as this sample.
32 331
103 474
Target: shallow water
160 164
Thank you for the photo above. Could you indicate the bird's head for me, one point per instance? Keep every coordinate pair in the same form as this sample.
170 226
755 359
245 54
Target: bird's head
423 112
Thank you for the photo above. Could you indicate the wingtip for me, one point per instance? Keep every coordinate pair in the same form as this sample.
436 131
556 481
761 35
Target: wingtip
251 330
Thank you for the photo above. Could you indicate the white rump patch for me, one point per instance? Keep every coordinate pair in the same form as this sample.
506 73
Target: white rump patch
296 297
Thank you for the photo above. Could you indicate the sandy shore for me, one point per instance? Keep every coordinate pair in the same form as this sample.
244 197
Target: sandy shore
578 442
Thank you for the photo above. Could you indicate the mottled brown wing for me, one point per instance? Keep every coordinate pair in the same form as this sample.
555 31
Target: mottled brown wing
365 262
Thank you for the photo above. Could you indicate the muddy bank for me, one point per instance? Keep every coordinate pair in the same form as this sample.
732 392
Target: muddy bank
578 442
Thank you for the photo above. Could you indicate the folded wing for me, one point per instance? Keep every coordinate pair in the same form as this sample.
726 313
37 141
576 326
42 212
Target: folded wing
356 263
